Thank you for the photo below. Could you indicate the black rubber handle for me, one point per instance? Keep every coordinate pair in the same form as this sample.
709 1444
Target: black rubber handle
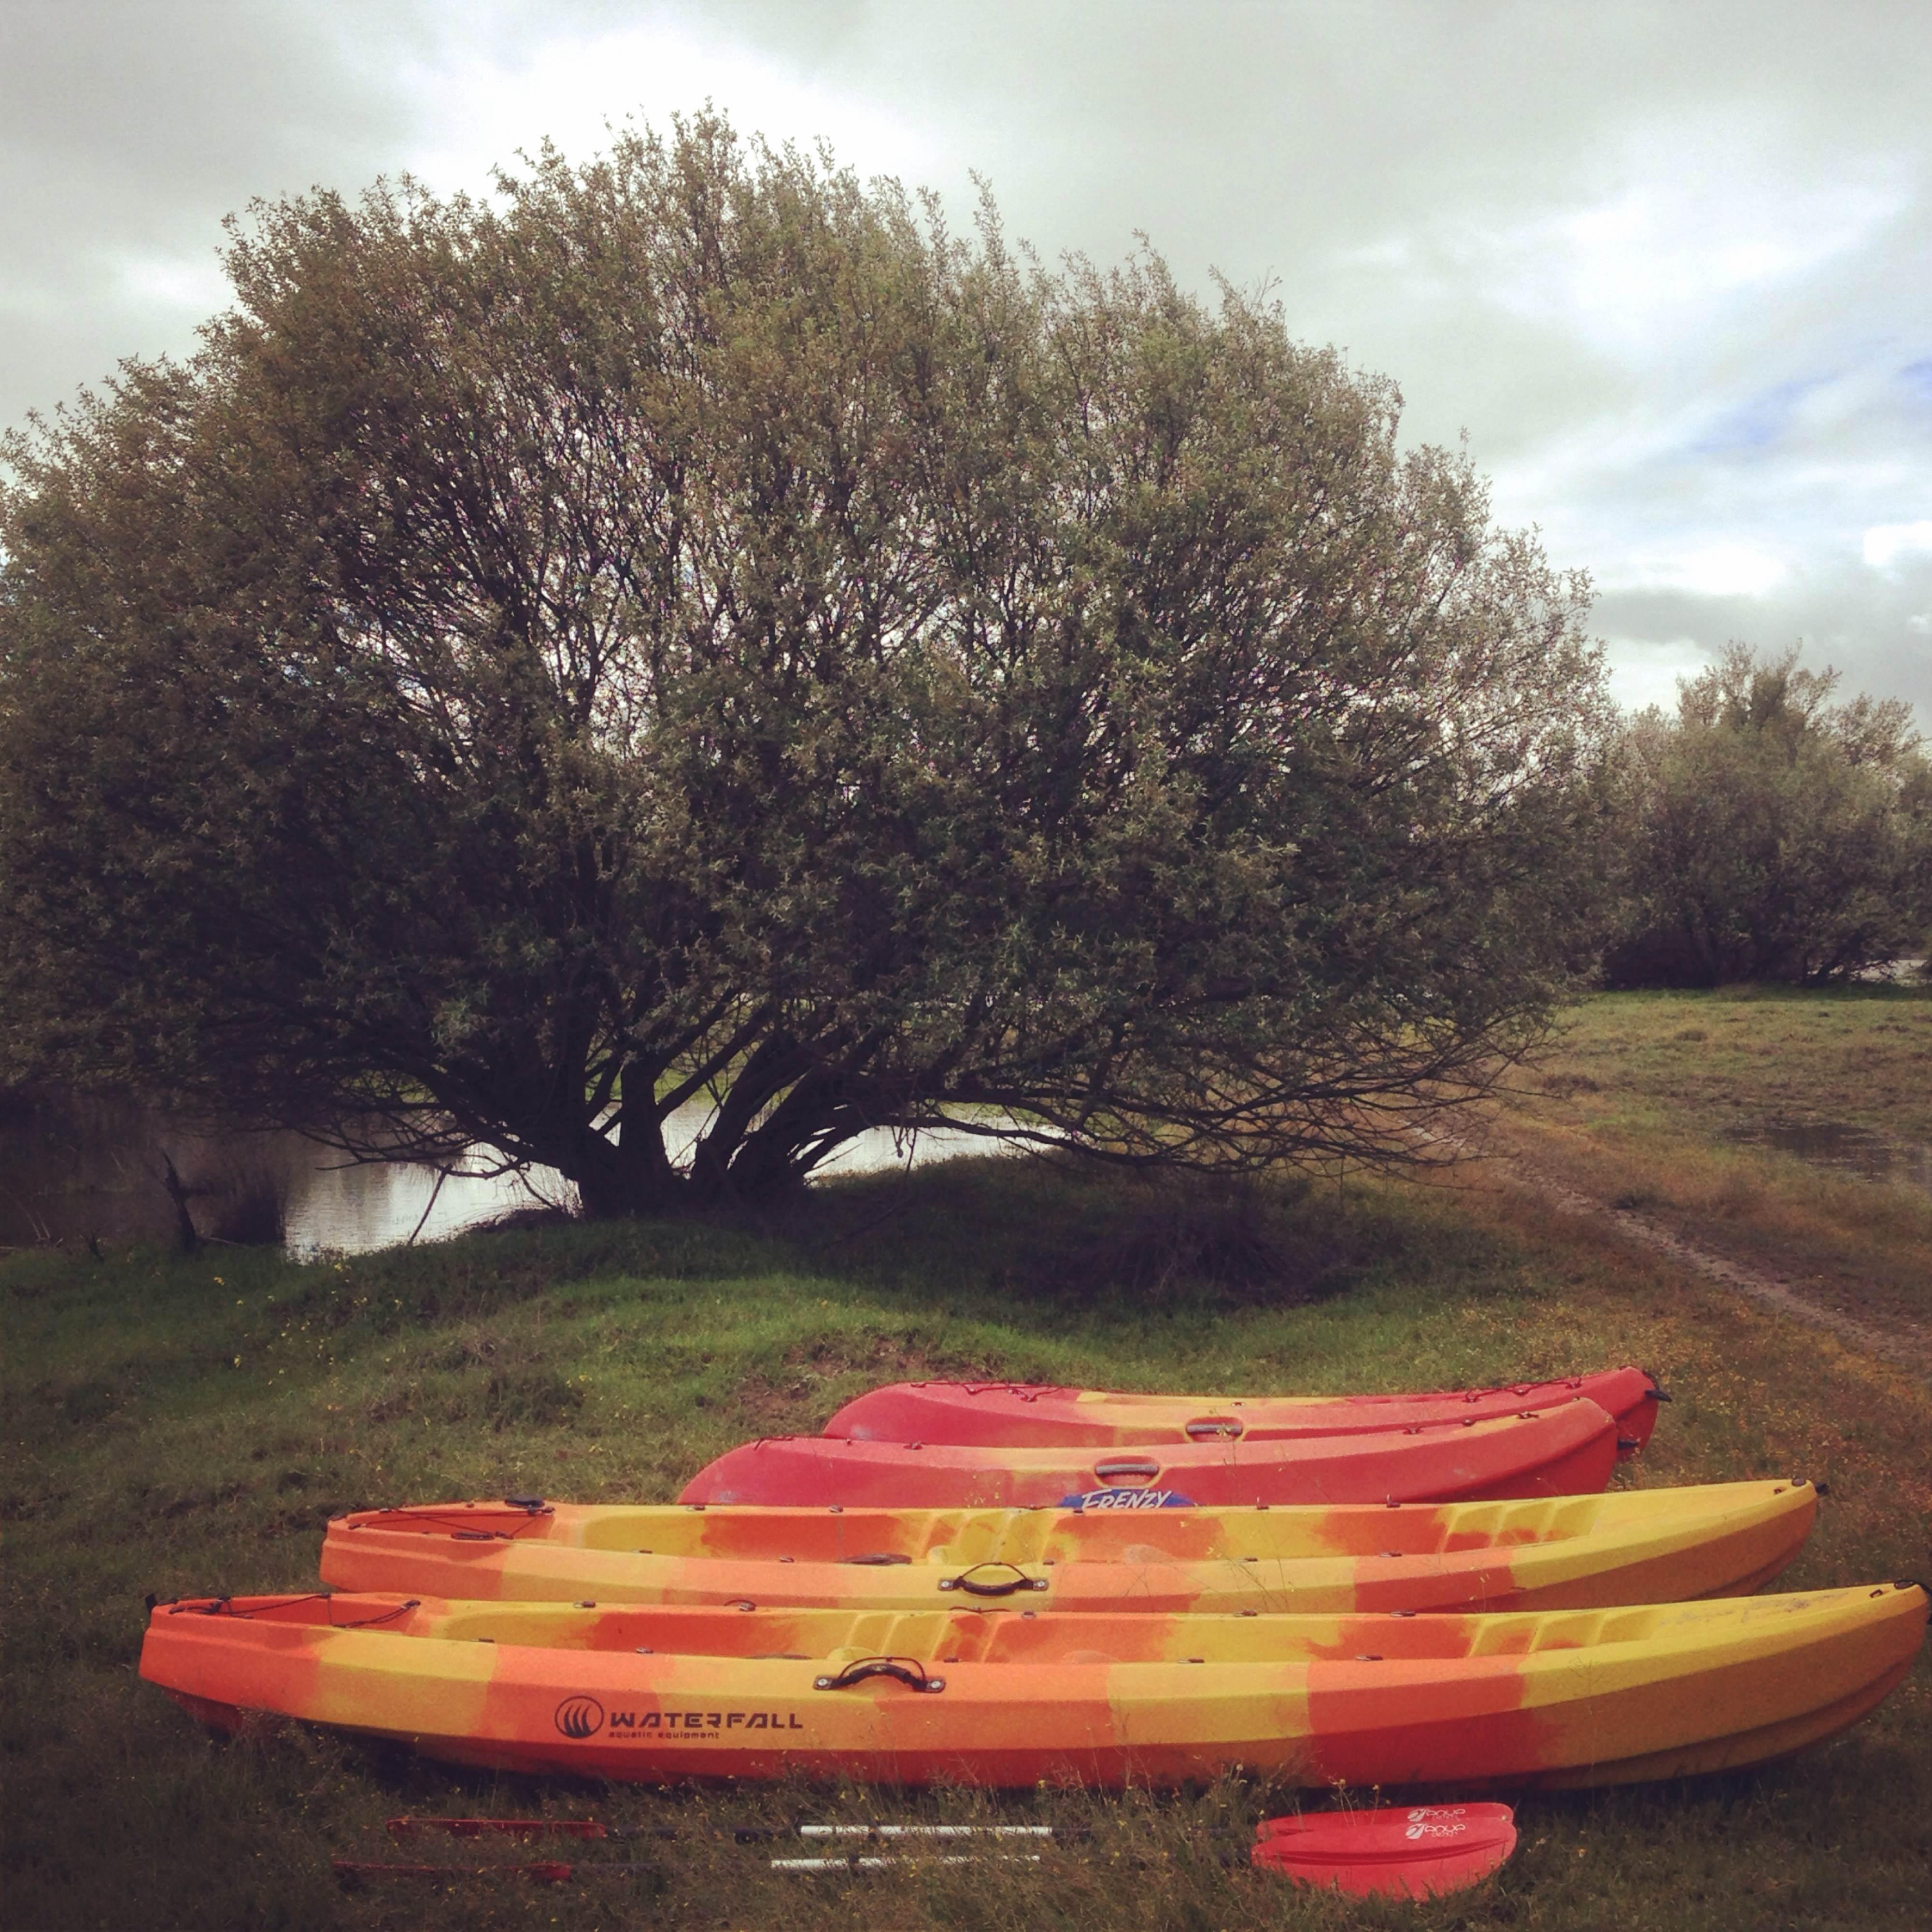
1007 1586
908 1671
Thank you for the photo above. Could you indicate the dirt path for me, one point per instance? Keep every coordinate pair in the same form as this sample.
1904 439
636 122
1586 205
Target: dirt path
1909 1353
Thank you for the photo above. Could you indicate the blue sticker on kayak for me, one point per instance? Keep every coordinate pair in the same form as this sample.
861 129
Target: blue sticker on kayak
1123 1498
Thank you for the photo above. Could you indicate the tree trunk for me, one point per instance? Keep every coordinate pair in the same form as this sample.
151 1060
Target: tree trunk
632 1176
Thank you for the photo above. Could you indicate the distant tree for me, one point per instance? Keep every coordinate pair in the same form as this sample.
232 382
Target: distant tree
692 627
1771 834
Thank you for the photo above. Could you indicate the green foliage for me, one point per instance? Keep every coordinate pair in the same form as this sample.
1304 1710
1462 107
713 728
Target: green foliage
1772 835
691 627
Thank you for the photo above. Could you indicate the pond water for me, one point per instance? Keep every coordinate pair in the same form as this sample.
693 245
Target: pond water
1845 1149
70 1168
351 1209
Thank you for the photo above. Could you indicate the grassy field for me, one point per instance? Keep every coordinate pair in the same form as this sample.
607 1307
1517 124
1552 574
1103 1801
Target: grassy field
1650 1098
184 1425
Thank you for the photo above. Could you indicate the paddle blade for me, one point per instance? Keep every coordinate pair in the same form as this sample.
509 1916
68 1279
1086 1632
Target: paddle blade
1407 1852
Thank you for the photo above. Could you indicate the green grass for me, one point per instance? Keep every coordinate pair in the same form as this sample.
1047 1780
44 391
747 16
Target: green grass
181 1425
1644 1099
1862 1055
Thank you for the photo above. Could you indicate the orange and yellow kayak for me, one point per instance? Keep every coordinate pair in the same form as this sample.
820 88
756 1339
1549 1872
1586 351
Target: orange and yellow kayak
1641 1546
1003 1697
1042 1415
1563 1449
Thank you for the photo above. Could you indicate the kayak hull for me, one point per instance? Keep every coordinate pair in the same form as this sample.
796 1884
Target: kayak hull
1042 1415
1562 1451
1625 1547
1585 1698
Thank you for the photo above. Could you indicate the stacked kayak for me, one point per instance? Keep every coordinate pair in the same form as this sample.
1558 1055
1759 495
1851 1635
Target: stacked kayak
1563 1450
1005 1697
1626 1546
1017 1415
993 1584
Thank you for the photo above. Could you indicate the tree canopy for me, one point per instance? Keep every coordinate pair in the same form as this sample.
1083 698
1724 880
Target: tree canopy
691 626
1773 835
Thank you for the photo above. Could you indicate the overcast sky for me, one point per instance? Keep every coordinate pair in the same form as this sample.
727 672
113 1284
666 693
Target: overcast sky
1670 267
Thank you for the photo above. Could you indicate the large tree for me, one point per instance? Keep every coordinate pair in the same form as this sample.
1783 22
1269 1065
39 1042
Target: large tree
690 626
1771 833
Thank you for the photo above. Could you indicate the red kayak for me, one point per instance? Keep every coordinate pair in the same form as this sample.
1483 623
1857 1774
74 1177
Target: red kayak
1411 1852
1568 1449
1017 1415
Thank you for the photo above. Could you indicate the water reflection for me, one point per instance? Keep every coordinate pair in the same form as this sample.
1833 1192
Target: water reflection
351 1209
78 1167
1846 1149
72 1168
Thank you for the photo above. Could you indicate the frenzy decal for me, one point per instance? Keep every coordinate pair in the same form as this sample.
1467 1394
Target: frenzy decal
582 1717
1126 1498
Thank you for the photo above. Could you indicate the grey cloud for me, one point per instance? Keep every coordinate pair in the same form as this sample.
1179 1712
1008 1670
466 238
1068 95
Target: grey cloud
127 132
1389 166
1874 626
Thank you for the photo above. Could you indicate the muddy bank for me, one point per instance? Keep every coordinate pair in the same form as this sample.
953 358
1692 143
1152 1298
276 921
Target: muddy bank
74 1166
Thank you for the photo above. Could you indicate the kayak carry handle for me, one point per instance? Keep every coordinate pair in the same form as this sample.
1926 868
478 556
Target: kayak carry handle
1213 1428
1112 1471
1007 1587
877 1558
908 1670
